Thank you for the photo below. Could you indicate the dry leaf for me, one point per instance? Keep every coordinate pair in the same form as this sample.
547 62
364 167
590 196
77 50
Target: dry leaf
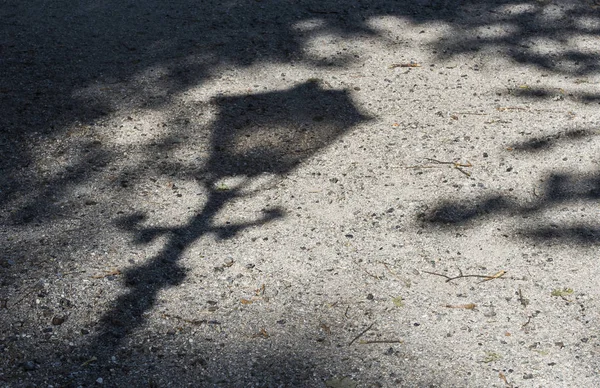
262 333
114 272
325 328
409 64
246 301
564 292
398 301
468 306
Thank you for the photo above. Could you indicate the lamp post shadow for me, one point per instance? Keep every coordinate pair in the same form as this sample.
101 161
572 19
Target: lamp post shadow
271 132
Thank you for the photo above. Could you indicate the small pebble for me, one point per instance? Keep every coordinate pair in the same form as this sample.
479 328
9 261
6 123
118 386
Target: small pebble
58 320
100 380
29 365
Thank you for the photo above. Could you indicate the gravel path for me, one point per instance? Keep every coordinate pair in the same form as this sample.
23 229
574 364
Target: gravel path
282 193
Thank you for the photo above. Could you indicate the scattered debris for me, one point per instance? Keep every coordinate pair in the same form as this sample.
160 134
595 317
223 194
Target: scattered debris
366 342
260 291
471 113
524 302
491 357
494 276
261 334
398 301
562 293
503 378
456 165
461 275
361 333
468 306
508 108
406 282
407 64
114 272
191 321
88 362
325 328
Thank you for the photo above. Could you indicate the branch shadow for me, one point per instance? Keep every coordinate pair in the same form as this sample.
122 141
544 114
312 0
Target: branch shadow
559 188
546 143
66 64
528 33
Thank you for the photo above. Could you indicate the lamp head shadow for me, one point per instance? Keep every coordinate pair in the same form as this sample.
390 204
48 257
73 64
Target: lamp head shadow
273 132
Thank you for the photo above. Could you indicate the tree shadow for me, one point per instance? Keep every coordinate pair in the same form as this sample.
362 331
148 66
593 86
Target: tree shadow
558 189
266 133
545 143
530 32
66 65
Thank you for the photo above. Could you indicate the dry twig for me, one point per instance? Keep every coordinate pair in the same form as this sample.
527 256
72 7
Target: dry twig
365 342
361 333
461 275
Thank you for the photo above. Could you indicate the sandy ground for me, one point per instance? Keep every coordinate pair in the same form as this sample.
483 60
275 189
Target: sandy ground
262 193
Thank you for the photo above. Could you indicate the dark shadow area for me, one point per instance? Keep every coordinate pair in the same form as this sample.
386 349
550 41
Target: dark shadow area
270 132
541 93
546 143
527 32
580 234
65 65
143 53
560 189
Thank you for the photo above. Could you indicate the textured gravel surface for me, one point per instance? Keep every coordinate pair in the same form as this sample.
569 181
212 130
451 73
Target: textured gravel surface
282 193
